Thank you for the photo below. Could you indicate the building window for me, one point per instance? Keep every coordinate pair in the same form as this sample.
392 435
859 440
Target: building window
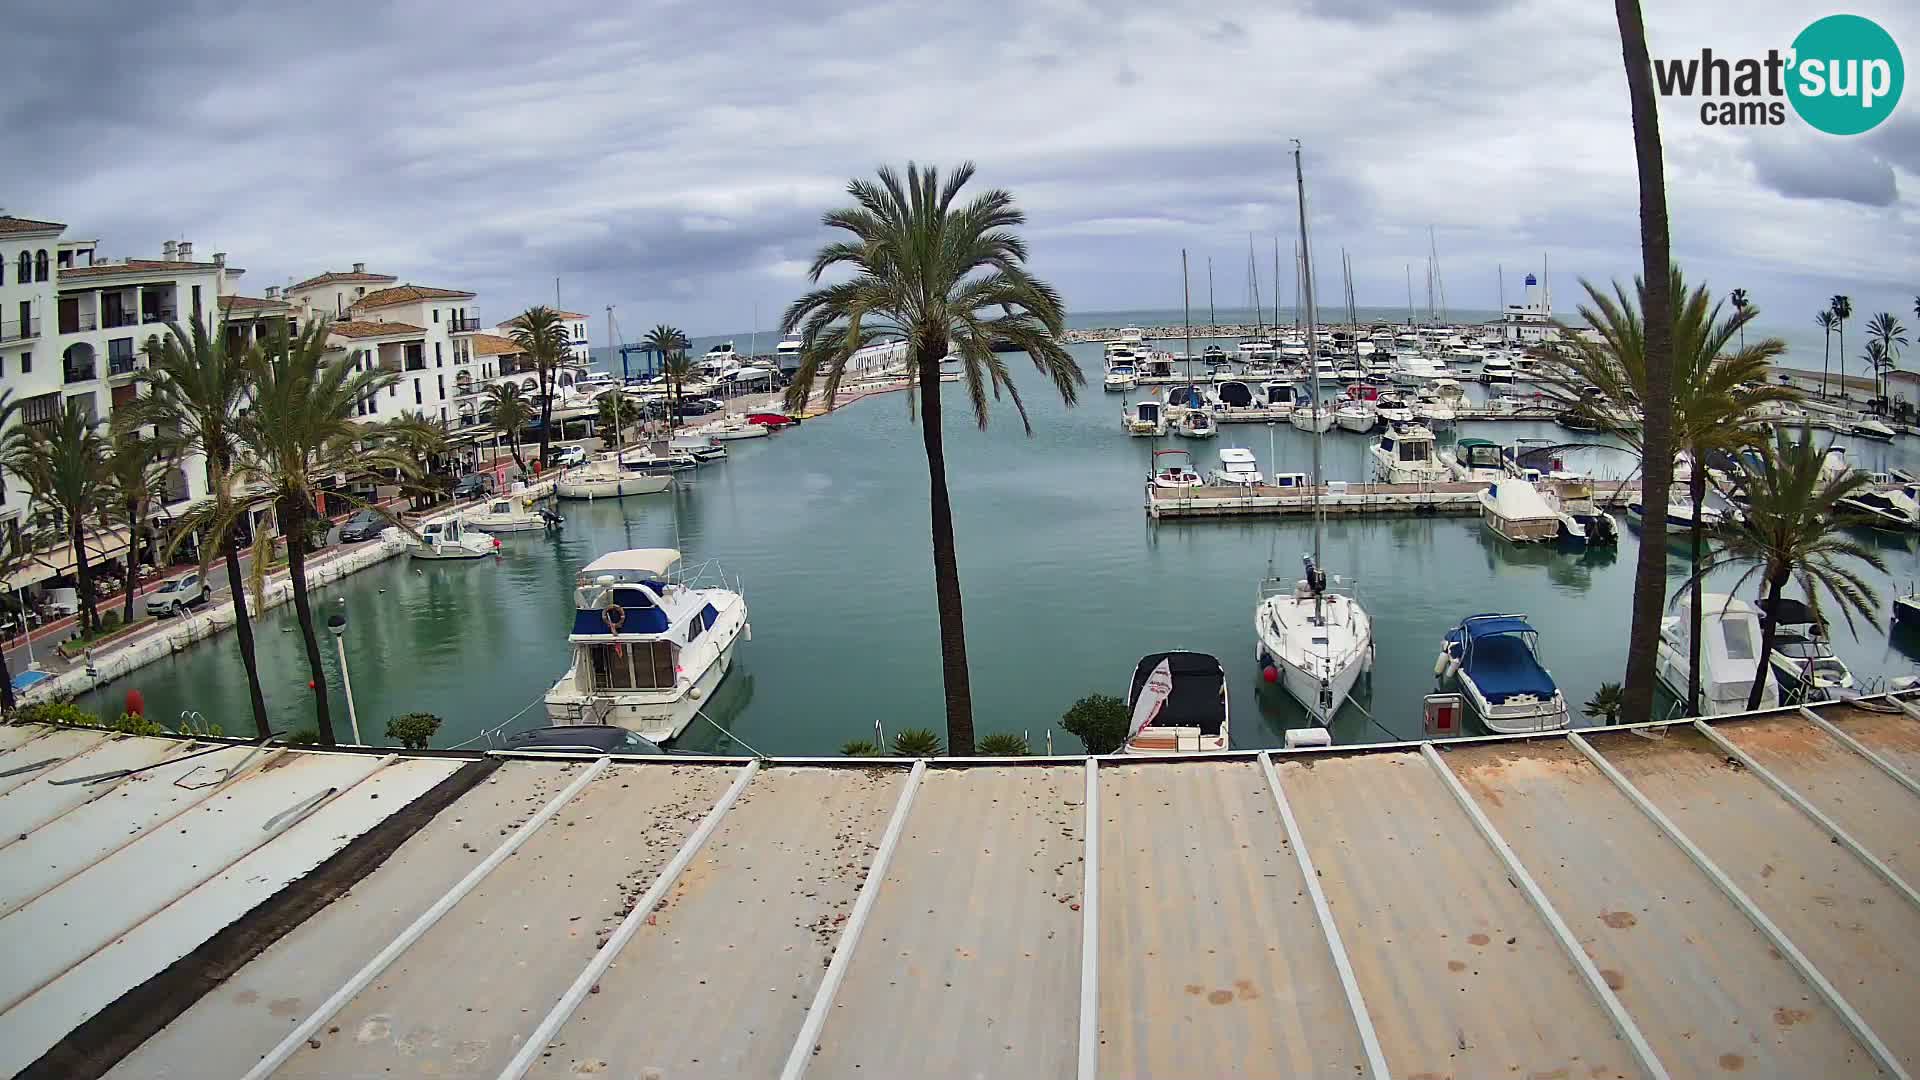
196 301
40 265
436 354
24 273
440 381
436 314
65 259
26 363
40 410
417 399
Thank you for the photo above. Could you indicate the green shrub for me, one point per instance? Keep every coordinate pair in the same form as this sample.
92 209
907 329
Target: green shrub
1004 744
56 712
916 742
1099 721
109 622
135 724
414 730
861 748
305 736
1605 704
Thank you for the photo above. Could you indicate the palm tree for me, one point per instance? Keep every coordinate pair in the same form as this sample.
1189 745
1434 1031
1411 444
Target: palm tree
1712 391
1885 331
1650 573
541 333
1738 298
617 412
299 432
1793 527
423 444
193 390
678 368
1842 311
64 464
508 407
1826 322
943 278
666 340
18 550
136 479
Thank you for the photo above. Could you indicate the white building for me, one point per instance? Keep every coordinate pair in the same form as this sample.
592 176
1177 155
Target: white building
1530 321
421 333
579 351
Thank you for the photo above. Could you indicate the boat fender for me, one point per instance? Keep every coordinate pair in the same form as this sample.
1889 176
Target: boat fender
693 692
1453 666
1440 663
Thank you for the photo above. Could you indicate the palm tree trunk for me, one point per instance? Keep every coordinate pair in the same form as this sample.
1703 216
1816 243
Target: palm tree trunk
133 563
1826 359
1697 488
1842 331
293 522
1650 575
7 702
83 572
946 568
243 629
1775 583
546 412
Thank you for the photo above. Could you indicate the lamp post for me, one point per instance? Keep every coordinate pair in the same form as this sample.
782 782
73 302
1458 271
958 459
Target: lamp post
337 623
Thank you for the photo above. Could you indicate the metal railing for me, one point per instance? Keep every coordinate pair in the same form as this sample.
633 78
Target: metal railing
458 325
81 372
77 322
116 319
165 316
120 365
19 330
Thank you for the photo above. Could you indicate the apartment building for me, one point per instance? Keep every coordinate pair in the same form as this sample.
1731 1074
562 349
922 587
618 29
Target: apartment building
578 348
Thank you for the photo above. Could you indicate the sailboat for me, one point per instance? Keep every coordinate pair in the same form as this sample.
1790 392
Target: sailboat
1312 641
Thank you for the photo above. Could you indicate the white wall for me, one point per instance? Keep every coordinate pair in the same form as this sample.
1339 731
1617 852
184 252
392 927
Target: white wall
45 374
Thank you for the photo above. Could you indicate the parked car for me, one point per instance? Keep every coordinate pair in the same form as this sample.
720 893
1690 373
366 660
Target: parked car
700 406
566 457
176 596
473 486
365 525
588 739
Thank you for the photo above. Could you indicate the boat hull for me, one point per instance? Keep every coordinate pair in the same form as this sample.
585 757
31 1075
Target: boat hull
657 715
1301 676
613 487
489 524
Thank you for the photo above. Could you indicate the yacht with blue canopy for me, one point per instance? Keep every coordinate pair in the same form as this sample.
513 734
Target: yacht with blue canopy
1496 661
648 650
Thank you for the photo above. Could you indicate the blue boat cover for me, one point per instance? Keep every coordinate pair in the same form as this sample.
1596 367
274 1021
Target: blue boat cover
1503 666
1481 626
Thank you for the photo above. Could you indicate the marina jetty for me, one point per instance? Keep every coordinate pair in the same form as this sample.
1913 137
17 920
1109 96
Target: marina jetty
1235 331
1672 899
1336 497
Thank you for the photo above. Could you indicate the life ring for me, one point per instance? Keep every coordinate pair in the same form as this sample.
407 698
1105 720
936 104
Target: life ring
615 617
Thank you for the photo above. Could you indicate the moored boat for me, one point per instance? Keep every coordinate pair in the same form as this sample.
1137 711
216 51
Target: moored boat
1178 704
605 479
1495 661
1145 419
1729 654
1404 454
1802 660
1514 510
1173 469
450 539
509 515
1237 468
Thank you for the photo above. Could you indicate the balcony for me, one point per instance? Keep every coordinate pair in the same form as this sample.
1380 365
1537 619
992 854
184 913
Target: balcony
116 319
459 325
164 315
120 365
75 322
21 330
80 372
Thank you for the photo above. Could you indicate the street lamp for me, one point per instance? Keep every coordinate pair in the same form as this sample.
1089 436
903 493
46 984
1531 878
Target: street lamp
337 623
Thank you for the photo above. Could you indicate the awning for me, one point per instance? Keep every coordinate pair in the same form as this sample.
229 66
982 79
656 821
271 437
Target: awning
101 545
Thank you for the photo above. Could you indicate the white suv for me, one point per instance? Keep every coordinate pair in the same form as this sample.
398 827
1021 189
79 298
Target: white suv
178 595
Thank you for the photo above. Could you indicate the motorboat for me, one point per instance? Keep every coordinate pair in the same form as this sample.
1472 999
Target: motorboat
1729 653
1178 704
699 447
1404 454
647 650
1174 469
450 539
1279 398
507 514
1890 508
1237 468
606 479
1873 429
1195 424
772 418
1679 510
658 459
1514 510
1129 337
1356 415
1803 661
1474 460
1121 376
1438 405
1393 409
1495 661
1236 397
736 429
1314 642
1497 368
1906 609
1583 522
1144 418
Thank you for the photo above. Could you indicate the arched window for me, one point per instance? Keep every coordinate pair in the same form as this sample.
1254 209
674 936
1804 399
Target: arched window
25 272
40 265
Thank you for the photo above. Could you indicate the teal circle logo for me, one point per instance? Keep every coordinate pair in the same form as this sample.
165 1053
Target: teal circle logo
1846 75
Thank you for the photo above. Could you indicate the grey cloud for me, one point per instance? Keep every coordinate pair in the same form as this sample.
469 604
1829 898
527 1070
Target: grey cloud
1368 11
1898 140
1804 168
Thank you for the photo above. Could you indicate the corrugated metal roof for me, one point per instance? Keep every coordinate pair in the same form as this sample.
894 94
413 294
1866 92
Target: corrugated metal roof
1708 902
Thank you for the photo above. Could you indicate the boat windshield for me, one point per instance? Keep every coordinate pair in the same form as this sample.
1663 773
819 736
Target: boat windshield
1738 636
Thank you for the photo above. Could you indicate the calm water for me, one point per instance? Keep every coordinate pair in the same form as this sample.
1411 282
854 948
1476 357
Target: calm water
1066 582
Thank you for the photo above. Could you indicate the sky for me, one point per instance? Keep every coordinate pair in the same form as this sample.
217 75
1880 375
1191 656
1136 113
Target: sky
674 159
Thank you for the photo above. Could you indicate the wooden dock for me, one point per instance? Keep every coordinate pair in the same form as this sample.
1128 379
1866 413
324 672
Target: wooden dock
1454 498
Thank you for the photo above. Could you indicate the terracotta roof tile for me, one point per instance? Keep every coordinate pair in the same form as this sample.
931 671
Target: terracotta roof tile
569 314
407 294
133 266
250 303
492 345
11 224
357 329
334 278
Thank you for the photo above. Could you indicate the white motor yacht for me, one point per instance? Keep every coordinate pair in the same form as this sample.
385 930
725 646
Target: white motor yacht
1889 508
1178 704
1405 454
1729 654
1393 409
736 429
1121 376
1802 660
1495 659
1873 429
1237 468
1497 369
1147 419
1474 460
700 447
1514 510
1173 469
647 650
605 479
450 539
508 514
1679 510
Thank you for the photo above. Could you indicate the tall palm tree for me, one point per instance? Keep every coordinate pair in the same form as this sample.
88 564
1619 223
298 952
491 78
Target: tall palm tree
1738 298
300 431
1650 573
666 340
542 334
19 549
1794 528
1842 308
1826 322
617 411
943 278
1713 391
136 479
507 406
64 464
1885 330
678 368
423 444
192 391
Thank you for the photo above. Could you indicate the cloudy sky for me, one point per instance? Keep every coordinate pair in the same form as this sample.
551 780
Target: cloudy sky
673 159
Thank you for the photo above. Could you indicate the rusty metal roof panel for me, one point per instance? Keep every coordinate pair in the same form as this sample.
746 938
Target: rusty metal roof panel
1705 987
734 954
61 788
1460 973
24 763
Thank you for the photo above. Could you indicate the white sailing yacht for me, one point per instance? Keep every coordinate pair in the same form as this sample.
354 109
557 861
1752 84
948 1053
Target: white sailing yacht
1312 641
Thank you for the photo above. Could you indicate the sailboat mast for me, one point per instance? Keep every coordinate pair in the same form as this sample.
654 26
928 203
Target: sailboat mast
1313 353
1213 321
1253 286
1276 284
1296 286
1409 294
620 398
1186 293
1502 271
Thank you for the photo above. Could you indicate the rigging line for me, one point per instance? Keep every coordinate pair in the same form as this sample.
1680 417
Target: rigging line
489 733
702 714
1363 712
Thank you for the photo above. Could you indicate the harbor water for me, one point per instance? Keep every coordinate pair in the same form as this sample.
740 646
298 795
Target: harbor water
1066 584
